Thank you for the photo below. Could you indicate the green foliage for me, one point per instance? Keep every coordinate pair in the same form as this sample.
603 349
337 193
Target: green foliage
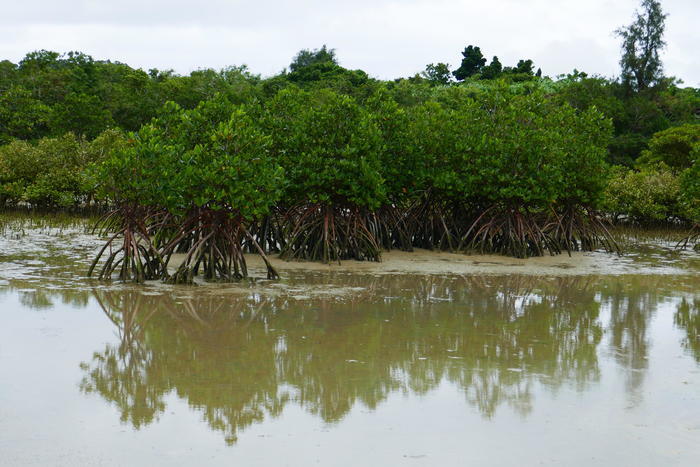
644 116
8 73
51 76
319 69
195 159
236 84
438 74
232 171
472 62
329 147
81 114
493 70
322 151
474 65
400 163
54 172
635 117
523 71
524 67
673 147
130 96
49 94
95 154
646 196
21 115
408 92
690 188
191 180
584 139
641 43
430 143
679 105
508 148
494 155
306 58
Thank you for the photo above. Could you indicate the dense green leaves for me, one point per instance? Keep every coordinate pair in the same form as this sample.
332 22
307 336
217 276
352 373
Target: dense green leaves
54 172
49 94
647 196
438 73
690 188
195 159
674 147
21 115
501 148
472 62
666 186
329 147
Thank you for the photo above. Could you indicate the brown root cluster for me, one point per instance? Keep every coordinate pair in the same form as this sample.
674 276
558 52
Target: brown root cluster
329 233
142 242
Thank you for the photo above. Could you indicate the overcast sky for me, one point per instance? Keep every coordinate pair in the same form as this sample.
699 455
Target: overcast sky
388 39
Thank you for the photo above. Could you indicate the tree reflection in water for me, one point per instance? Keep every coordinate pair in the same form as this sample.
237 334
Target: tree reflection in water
240 359
632 303
687 318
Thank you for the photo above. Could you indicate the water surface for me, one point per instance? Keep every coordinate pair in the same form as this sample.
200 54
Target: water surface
346 367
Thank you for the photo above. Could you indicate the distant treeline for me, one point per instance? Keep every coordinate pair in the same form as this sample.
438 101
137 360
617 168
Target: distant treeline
49 94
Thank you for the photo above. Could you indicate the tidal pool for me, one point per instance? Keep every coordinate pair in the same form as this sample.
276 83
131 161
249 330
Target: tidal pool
349 366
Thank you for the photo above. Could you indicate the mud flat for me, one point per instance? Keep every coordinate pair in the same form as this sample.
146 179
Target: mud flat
658 260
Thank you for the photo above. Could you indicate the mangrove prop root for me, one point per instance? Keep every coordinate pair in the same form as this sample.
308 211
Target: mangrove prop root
392 227
433 224
329 233
692 237
271 272
214 244
577 228
519 232
135 256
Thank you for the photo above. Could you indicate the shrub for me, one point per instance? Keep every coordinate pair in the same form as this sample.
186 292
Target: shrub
690 188
673 147
53 172
646 196
329 147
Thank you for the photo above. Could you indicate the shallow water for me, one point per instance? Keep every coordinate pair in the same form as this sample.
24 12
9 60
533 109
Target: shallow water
347 366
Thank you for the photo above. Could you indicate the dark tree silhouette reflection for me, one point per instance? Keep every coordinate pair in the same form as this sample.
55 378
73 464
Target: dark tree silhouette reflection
240 358
687 318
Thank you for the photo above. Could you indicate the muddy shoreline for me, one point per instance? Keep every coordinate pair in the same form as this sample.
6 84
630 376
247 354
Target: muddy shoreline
440 262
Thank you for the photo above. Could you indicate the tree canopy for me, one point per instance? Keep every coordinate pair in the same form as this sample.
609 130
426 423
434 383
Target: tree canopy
472 63
642 41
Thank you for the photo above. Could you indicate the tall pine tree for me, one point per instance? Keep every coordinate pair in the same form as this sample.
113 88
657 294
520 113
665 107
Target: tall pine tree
641 43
